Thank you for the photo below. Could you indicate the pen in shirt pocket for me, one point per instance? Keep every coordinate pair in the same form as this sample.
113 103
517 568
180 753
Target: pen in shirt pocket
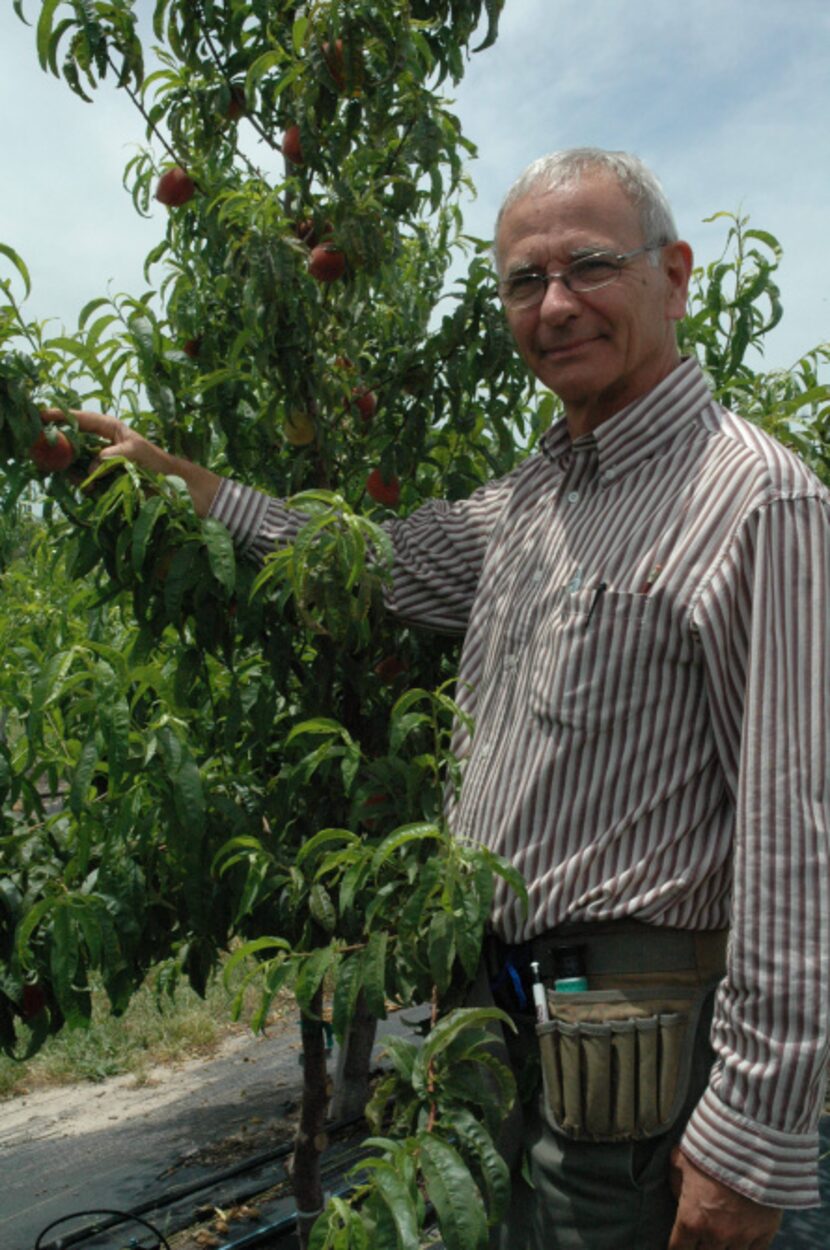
598 593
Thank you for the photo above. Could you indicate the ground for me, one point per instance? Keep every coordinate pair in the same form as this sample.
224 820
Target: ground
197 1148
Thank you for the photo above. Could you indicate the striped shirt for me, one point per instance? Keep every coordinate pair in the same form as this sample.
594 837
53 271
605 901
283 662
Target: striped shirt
647 642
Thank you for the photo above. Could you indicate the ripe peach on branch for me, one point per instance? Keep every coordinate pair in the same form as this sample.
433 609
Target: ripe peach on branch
52 451
384 490
175 187
365 401
326 263
292 148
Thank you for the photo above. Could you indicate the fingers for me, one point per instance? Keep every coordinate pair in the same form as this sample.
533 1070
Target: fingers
100 423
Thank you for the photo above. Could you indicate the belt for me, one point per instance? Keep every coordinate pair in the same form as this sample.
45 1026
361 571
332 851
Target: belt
619 948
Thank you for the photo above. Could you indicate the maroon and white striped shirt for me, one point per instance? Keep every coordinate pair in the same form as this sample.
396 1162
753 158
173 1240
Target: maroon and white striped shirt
647 644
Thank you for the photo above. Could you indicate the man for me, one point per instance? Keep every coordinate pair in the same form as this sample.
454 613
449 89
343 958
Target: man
645 658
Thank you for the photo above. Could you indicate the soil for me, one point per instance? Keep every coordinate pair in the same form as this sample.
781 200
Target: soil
197 1148
221 1122
119 1144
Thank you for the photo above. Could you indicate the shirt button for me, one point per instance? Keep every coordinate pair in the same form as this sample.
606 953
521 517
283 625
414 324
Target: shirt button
511 663
573 496
537 577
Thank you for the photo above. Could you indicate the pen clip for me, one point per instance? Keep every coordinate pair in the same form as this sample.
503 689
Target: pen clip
598 593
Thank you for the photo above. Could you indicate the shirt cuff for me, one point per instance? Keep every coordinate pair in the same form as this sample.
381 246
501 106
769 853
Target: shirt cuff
775 1168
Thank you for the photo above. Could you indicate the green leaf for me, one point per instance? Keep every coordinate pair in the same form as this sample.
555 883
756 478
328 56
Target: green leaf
441 946
322 908
318 725
298 33
402 726
346 991
63 952
278 975
243 953
399 1200
312 970
115 721
44 30
182 574
765 237
450 1026
454 1194
507 872
417 832
374 973
5 250
494 8
495 1172
325 837
83 775
50 683
150 512
261 66
189 796
220 552
402 1054
88 309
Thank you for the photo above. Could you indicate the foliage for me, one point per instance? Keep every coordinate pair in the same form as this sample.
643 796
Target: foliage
198 751
735 302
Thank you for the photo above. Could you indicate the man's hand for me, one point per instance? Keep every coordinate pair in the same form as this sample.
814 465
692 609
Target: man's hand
711 1216
124 441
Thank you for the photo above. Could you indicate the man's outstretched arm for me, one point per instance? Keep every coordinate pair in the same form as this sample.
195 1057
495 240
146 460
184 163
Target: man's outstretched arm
124 441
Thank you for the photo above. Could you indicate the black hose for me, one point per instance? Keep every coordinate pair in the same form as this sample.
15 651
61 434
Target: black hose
177 1193
121 1217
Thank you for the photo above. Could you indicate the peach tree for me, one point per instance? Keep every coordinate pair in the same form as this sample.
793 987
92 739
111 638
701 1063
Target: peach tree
196 751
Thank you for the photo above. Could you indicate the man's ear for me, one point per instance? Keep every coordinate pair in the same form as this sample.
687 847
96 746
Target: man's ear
677 261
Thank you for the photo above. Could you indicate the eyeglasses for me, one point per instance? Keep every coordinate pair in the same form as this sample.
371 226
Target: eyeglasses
527 288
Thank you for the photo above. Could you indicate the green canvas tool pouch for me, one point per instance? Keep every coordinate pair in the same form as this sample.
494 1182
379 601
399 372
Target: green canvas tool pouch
616 1063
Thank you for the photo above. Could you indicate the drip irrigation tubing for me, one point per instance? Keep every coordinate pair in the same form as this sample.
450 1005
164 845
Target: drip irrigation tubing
178 1192
122 1217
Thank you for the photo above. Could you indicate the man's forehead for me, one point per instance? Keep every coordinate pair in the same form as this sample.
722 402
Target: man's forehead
585 215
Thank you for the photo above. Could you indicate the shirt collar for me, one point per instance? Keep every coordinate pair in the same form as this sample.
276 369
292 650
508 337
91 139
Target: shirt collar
643 428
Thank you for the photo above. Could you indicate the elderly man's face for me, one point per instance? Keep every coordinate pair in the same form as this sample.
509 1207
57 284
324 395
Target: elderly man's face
597 350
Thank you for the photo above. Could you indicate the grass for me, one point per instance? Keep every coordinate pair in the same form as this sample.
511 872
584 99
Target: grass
155 1029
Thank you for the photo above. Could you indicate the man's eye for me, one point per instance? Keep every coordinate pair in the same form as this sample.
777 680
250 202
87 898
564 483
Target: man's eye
522 284
593 269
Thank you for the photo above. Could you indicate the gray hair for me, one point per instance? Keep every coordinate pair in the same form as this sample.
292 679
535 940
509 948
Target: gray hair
564 168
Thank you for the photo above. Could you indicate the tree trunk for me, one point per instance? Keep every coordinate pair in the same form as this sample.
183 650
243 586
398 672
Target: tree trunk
311 1138
351 1080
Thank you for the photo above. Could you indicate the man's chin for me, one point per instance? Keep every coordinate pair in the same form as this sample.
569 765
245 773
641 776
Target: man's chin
567 381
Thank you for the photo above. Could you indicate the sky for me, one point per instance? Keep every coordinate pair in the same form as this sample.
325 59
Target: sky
728 101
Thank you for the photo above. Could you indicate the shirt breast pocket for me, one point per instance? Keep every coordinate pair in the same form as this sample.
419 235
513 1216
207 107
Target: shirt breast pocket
598 659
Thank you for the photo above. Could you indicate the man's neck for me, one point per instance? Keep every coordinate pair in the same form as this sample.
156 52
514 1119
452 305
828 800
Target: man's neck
584 415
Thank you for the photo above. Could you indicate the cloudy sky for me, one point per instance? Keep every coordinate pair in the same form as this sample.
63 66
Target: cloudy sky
727 100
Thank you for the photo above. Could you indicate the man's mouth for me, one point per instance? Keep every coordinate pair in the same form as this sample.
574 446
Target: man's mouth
560 351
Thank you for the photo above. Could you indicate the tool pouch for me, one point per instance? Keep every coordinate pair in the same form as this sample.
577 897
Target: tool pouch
616 1064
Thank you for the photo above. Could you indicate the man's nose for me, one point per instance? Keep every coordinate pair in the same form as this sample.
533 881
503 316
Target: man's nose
559 302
